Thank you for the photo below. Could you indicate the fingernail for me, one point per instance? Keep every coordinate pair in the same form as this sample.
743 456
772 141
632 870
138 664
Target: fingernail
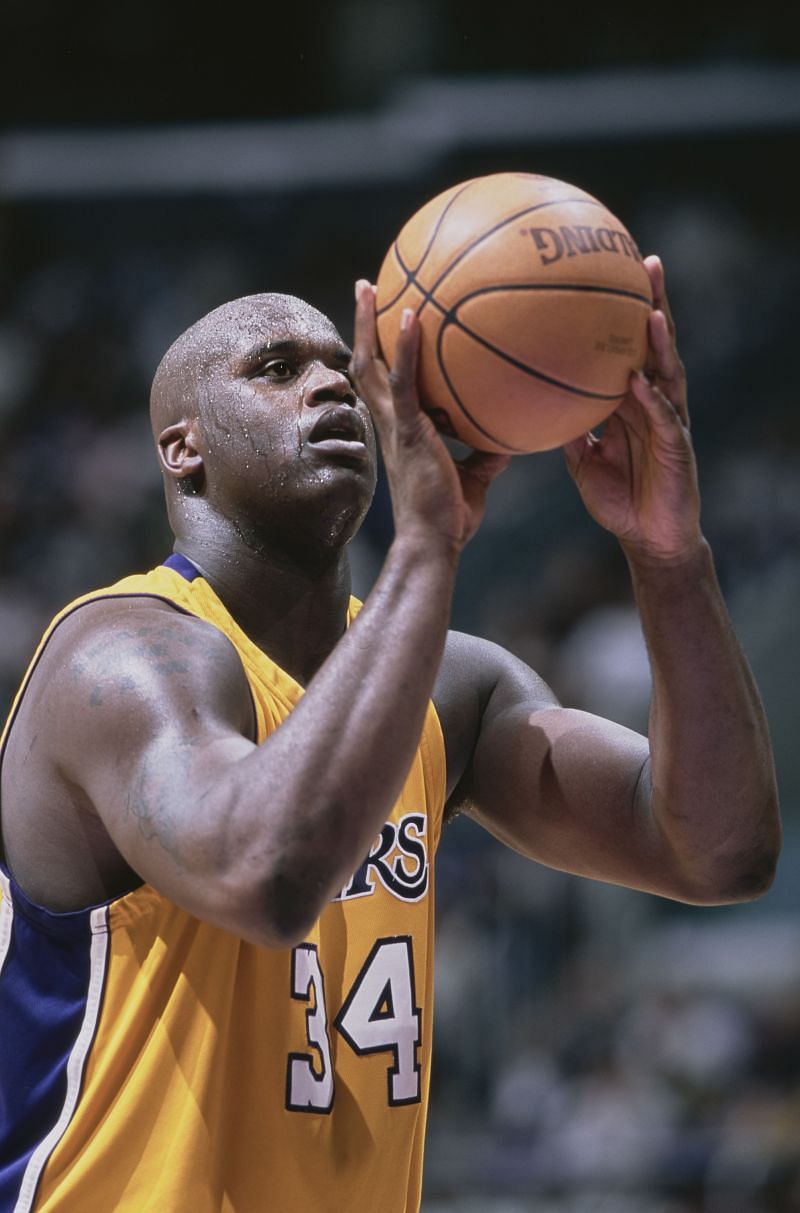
405 319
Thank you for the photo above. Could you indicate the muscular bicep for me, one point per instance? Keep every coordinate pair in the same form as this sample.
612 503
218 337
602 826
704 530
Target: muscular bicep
570 790
561 786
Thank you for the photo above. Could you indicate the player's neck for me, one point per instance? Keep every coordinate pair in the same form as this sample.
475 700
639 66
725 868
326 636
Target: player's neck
295 609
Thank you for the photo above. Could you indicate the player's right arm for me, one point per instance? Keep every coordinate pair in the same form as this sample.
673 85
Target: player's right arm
141 717
145 721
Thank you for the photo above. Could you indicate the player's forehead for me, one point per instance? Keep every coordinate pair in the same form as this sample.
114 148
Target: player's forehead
260 322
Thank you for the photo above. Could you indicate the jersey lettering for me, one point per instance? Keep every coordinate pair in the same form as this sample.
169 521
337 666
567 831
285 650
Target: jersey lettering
398 859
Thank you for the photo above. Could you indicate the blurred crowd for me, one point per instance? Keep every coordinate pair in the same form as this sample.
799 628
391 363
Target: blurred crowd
623 1054
597 1050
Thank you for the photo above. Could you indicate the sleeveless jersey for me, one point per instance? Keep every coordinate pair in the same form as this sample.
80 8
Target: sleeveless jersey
153 1063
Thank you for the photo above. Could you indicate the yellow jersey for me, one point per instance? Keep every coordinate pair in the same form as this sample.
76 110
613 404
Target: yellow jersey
153 1063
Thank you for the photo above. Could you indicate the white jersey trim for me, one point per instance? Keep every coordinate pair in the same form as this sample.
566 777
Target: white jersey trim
6 919
98 959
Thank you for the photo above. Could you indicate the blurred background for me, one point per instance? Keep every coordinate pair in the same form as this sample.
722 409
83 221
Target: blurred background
596 1049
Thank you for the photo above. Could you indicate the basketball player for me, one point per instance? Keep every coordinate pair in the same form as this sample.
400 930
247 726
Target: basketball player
224 781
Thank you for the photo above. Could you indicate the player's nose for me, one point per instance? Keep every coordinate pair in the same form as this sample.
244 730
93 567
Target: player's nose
326 383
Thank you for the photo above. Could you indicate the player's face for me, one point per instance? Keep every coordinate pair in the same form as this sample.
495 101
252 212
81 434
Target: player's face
282 424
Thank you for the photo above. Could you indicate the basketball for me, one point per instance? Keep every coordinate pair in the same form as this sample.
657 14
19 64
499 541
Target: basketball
532 302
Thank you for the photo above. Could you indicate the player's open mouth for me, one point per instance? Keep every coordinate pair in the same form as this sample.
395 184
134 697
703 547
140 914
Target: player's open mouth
339 431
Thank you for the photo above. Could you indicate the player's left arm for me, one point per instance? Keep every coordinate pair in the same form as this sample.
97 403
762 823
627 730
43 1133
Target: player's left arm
691 811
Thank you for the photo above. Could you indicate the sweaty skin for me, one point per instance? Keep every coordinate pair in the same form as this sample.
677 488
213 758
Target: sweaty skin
133 758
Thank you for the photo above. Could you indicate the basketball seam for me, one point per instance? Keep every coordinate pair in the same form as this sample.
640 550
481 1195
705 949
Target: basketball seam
451 320
546 286
482 429
428 294
542 286
411 274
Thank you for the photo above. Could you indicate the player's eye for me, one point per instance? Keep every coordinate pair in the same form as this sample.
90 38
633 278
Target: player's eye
277 368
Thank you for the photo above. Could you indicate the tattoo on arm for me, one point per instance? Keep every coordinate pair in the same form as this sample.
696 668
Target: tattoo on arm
151 800
154 642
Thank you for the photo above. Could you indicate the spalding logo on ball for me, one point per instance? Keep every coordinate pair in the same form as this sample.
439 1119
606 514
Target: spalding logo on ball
532 302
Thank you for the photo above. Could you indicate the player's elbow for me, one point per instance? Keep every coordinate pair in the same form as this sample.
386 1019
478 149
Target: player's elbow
278 927
754 873
748 880
741 876
302 877
292 911
269 909
287 905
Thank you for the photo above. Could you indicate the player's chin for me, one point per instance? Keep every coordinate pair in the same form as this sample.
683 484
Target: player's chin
338 517
342 459
353 474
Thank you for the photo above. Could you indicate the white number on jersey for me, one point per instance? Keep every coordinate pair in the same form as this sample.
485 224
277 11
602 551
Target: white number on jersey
379 1016
307 1090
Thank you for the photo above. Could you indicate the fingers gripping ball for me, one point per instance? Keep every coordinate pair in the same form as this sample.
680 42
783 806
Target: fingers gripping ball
532 302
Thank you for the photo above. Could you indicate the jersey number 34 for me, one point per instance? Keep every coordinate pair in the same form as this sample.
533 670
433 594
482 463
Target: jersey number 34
379 1015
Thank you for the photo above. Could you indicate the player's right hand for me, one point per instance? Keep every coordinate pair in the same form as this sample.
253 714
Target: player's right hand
433 495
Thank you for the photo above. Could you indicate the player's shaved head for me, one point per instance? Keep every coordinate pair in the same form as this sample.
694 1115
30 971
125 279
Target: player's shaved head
178 385
230 408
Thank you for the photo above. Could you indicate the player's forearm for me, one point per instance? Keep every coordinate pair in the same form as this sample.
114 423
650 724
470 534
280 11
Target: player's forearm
312 799
712 792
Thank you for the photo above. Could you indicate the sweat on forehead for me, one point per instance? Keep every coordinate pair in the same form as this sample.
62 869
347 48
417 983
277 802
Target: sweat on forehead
243 320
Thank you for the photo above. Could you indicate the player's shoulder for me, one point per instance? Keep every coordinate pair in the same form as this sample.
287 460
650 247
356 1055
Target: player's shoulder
108 629
477 679
136 649
473 668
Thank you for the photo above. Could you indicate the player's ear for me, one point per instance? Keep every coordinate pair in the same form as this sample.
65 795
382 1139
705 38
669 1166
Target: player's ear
177 451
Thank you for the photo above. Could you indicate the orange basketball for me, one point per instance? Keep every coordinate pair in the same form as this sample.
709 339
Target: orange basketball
532 301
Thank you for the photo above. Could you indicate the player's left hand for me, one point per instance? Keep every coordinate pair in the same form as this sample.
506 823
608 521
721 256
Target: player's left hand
638 479
432 494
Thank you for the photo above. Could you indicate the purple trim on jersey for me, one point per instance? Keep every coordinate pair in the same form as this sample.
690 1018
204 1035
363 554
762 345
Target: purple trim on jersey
43 1004
181 564
52 975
